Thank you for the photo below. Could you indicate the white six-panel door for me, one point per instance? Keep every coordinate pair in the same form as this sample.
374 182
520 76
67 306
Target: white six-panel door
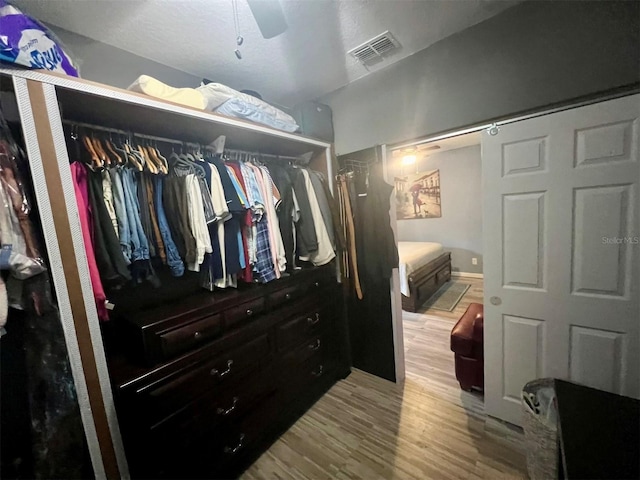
562 254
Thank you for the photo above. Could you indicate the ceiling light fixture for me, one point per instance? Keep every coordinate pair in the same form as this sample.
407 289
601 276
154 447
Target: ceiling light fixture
409 159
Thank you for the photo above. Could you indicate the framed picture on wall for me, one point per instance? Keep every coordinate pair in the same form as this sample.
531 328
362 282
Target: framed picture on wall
418 195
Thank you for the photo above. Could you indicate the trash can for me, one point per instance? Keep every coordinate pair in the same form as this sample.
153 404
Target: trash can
541 429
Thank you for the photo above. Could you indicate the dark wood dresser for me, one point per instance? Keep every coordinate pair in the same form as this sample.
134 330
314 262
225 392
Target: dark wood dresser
203 386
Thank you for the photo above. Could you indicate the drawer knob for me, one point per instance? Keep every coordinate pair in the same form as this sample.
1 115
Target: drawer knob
217 373
315 345
249 312
313 321
287 296
318 371
197 335
316 284
233 450
227 411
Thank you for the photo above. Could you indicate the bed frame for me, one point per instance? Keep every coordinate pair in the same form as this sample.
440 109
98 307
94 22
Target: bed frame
425 281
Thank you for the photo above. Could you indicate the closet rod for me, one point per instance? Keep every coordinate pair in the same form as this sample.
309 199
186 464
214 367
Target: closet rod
125 132
174 141
260 155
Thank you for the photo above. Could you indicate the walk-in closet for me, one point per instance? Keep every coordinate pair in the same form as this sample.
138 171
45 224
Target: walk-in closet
199 322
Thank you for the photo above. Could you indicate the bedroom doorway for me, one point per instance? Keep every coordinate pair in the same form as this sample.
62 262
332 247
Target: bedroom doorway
438 208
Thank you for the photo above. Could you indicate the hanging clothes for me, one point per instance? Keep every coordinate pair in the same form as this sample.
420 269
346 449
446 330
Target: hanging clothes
79 178
306 236
351 262
263 265
284 210
323 203
110 260
380 252
4 306
324 253
119 206
177 211
197 222
246 223
174 261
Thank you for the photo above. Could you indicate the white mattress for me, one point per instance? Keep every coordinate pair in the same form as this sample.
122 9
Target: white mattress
414 255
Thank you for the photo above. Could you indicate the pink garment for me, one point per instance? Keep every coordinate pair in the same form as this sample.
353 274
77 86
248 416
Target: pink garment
79 176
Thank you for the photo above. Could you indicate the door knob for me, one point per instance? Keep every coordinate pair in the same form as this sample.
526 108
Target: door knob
495 300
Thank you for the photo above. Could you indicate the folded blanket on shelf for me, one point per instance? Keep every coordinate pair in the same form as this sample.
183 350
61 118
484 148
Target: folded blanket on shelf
189 97
238 108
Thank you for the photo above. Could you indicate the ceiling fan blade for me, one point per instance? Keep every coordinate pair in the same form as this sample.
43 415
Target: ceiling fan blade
269 17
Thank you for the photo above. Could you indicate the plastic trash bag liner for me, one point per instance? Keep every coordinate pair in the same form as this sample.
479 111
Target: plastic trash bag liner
25 41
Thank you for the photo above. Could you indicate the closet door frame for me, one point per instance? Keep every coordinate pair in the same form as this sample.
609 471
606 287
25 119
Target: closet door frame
41 121
53 186
491 129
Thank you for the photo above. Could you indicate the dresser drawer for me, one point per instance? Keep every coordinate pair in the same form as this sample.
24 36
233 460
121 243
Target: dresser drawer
299 329
242 437
313 347
243 312
286 295
164 397
189 336
231 402
303 374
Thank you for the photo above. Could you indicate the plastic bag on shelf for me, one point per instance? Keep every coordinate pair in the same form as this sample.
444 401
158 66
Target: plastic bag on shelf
25 41
19 250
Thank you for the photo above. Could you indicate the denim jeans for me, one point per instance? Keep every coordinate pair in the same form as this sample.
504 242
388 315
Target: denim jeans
138 239
173 257
119 204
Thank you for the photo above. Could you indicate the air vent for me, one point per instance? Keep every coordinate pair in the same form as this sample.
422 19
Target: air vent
374 50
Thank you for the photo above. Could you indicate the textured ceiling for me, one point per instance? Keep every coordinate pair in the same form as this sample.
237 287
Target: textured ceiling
307 61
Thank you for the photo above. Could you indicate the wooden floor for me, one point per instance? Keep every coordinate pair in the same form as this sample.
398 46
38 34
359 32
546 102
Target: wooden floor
369 428
428 358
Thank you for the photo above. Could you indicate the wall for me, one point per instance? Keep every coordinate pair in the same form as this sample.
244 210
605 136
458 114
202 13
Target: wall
459 229
530 56
112 66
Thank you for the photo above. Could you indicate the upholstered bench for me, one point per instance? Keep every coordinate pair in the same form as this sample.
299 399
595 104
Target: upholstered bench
466 343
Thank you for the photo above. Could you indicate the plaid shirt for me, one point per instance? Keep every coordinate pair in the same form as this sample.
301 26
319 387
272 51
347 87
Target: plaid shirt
263 265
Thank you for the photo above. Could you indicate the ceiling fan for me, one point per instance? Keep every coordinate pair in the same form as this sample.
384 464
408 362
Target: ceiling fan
269 17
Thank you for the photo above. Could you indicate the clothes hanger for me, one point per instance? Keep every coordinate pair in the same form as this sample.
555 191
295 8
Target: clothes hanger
94 159
149 165
106 160
124 154
161 162
109 144
133 157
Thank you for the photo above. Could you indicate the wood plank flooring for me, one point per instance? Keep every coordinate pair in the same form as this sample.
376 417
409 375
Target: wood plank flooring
369 428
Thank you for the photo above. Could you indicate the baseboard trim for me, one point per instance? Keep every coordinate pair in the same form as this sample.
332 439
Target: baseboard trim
467 274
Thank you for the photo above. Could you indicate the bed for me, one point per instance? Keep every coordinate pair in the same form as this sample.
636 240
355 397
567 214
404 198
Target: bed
424 267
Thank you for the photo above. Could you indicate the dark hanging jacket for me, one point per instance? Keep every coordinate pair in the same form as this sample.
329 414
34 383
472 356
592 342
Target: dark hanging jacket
307 241
380 251
284 210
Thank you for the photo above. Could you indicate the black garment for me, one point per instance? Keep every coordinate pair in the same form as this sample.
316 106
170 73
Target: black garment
174 196
341 243
211 268
109 257
231 226
284 209
307 241
145 215
380 252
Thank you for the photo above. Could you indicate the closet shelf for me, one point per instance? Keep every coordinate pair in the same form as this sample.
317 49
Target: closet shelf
91 102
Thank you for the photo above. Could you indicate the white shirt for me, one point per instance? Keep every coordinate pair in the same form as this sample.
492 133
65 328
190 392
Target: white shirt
197 222
325 252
